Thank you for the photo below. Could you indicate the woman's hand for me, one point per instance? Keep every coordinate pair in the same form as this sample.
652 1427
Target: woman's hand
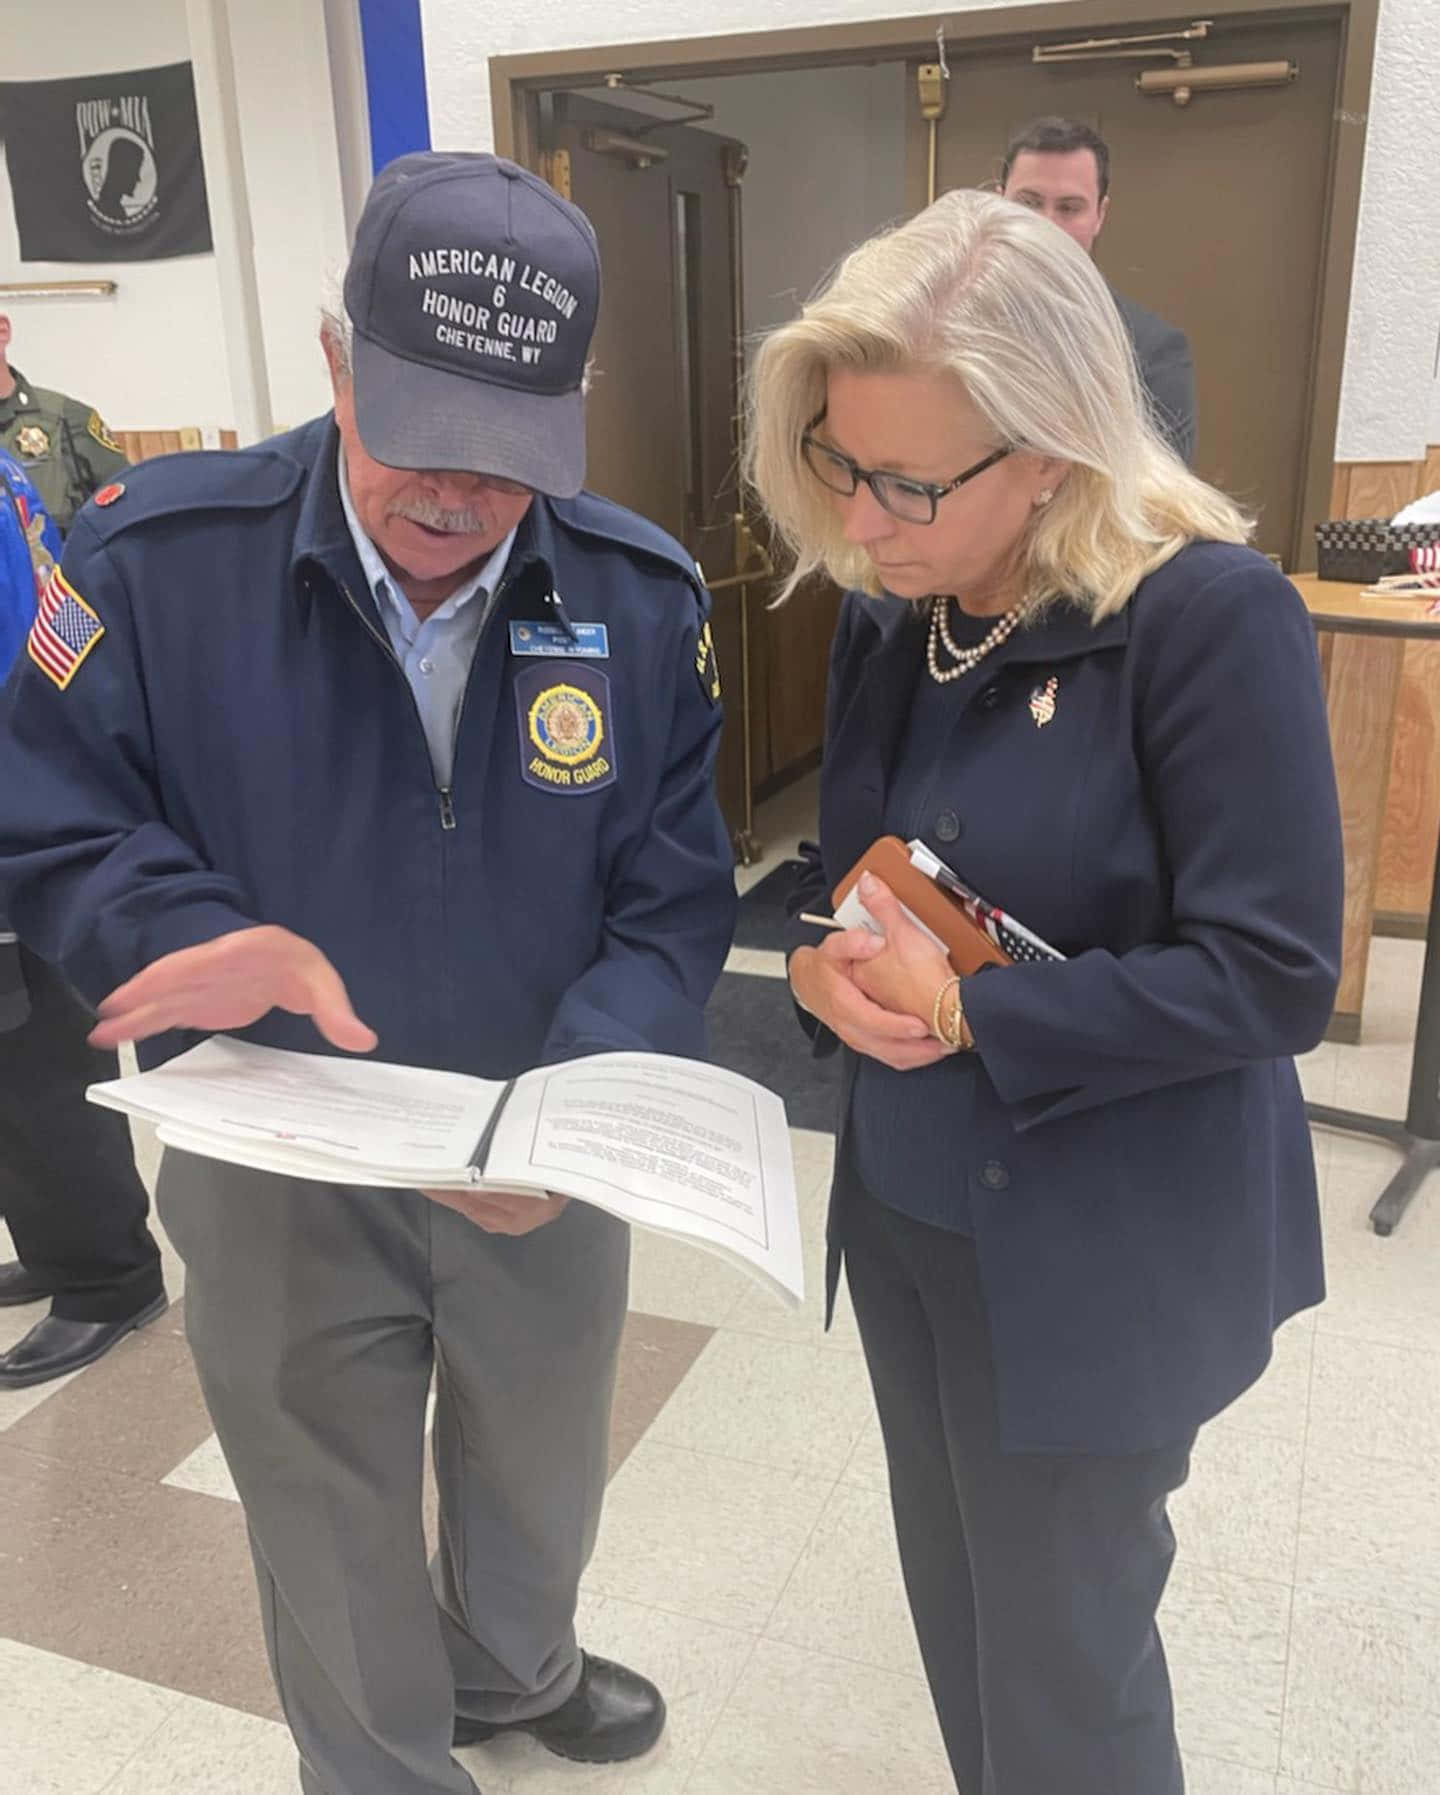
910 969
825 981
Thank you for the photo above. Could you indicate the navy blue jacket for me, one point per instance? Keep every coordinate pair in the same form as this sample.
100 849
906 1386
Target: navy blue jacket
1140 1177
243 747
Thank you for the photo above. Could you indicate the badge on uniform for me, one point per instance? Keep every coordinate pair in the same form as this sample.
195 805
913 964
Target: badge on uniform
32 442
590 641
64 631
1042 702
567 741
707 667
96 427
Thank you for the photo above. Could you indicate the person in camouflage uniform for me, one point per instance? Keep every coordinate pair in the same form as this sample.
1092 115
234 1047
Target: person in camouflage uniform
62 444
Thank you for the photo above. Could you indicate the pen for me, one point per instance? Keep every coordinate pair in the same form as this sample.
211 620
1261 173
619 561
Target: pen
821 922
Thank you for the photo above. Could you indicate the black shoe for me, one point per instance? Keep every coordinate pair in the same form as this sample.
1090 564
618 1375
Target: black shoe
614 1714
20 1286
55 1347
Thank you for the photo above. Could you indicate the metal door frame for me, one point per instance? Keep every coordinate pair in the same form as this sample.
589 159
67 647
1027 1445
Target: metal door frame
518 82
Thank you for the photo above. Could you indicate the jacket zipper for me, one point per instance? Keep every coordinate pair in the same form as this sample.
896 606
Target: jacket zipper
444 794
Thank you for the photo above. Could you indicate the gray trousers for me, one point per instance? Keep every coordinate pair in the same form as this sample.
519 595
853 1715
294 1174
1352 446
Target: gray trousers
315 1313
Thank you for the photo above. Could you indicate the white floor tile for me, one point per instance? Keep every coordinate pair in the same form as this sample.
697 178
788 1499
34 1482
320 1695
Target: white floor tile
205 1472
203 1749
1226 1641
802 1724
708 1537
68 1728
683 1283
814 1151
867 1467
793 1407
759 962
1362 1710
846 1597
1370 1532
695 1665
1380 1289
1374 1401
1278 1402
1240 1509
1317 1073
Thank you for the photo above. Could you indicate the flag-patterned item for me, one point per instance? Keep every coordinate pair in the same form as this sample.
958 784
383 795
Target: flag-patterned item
1425 560
1010 936
1042 702
64 631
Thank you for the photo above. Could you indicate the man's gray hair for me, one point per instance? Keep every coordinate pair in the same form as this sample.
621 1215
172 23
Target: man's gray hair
336 329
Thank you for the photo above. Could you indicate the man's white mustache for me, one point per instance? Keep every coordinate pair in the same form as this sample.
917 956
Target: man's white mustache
465 522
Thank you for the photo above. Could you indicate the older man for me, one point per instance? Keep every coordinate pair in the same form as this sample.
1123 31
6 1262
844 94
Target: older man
1061 167
385 729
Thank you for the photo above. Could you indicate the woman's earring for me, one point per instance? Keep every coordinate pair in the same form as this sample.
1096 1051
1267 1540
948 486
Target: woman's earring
1044 496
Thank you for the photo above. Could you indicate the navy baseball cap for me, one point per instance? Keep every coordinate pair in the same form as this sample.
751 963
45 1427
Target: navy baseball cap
473 289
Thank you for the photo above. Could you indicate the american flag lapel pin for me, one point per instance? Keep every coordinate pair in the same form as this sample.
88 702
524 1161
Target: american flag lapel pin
1042 701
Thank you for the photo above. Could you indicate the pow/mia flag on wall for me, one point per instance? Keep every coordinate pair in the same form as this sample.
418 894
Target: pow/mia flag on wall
106 168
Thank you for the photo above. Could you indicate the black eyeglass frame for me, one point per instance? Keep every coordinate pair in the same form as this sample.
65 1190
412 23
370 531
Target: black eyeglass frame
927 488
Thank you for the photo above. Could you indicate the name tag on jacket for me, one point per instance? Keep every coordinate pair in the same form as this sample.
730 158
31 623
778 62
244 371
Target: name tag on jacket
591 641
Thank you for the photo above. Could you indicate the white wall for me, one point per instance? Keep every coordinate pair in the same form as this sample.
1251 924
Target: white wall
852 124
150 358
1390 401
1389 398
153 357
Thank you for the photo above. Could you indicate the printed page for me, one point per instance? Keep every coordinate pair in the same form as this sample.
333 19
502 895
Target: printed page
668 1143
346 1120
854 915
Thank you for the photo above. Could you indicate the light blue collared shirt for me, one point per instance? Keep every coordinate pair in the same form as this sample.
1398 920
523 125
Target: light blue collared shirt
437 653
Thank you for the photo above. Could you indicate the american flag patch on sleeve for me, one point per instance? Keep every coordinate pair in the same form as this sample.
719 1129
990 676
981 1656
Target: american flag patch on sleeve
64 631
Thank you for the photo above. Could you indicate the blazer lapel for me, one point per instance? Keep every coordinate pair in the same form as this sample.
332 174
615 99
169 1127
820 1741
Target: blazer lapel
885 663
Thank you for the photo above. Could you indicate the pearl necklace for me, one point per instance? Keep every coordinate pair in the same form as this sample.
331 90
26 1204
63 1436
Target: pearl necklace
964 658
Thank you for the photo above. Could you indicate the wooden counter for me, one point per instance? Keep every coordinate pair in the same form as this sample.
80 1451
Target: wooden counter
1363 648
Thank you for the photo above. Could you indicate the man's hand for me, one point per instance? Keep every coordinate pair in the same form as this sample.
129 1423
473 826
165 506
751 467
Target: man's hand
229 983
502 1211
826 980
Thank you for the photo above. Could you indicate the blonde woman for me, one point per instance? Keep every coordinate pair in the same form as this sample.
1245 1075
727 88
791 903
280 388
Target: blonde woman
1073 1199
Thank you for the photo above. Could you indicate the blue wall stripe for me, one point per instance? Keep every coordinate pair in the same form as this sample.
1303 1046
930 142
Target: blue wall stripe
394 78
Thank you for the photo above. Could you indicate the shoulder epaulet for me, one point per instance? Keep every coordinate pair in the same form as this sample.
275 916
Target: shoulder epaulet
196 480
590 515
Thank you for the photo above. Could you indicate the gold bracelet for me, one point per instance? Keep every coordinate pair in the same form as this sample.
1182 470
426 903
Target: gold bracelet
964 1034
937 1028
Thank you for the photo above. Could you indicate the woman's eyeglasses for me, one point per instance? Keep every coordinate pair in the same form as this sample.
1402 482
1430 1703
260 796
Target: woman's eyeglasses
912 501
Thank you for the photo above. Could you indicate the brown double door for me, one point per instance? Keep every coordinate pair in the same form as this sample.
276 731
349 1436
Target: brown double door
663 390
1217 222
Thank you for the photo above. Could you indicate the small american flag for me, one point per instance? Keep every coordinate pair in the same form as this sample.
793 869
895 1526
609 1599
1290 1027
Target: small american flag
64 631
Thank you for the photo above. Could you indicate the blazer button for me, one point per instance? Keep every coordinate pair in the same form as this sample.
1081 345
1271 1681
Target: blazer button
990 697
947 826
994 1175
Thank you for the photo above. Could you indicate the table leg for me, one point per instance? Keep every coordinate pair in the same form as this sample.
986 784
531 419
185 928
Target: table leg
1418 1136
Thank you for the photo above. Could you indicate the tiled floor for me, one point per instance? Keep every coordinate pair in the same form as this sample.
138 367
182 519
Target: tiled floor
746 1557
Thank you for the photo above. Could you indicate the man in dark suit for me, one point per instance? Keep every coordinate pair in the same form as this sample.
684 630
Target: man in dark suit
1061 167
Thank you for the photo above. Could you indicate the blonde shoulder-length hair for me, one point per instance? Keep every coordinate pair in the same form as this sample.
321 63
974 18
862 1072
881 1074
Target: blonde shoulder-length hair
982 289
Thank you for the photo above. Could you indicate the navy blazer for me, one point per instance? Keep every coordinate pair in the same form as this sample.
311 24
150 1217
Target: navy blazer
1140 1177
